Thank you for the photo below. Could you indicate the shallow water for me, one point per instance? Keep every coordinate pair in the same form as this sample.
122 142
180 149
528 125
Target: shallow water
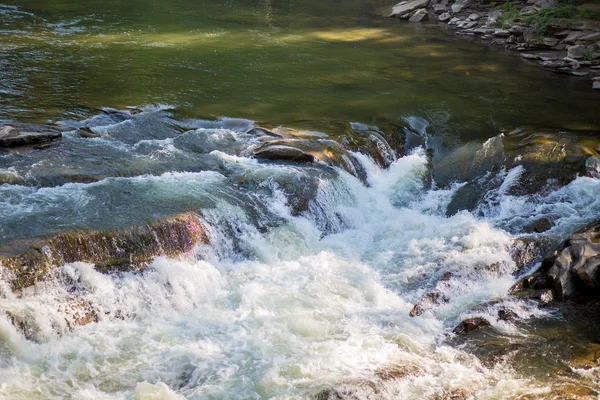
284 302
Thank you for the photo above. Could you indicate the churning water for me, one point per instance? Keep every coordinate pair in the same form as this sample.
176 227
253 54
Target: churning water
281 304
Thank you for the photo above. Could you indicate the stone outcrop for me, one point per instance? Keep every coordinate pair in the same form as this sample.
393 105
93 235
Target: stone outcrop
109 251
573 270
22 135
536 28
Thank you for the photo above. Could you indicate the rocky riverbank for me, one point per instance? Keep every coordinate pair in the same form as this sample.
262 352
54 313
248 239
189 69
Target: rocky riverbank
558 37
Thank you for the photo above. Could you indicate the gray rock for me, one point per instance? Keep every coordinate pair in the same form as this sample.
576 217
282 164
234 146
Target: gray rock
572 37
550 41
444 17
454 21
501 33
473 17
439 8
530 56
547 3
492 19
420 15
11 136
591 36
459 5
576 51
405 7
470 24
596 85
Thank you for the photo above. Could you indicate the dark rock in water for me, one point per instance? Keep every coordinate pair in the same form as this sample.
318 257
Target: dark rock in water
109 251
86 133
574 268
434 298
540 225
542 296
469 325
283 153
465 198
12 136
507 315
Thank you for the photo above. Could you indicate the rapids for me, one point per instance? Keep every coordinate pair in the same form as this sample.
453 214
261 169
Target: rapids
281 304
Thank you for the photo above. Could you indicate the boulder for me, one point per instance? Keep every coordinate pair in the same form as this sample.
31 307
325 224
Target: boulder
473 17
11 136
459 5
572 271
419 15
283 153
596 85
576 51
469 325
444 17
439 8
406 7
109 251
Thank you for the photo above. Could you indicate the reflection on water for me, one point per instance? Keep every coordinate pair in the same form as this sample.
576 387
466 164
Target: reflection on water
292 63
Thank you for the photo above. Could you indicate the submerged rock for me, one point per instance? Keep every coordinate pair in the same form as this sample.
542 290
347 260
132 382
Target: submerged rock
12 136
283 153
109 251
433 298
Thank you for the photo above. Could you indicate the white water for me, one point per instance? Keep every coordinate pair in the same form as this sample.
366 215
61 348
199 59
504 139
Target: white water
291 311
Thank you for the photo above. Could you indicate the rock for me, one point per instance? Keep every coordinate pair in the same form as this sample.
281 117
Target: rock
542 296
11 136
439 8
406 7
433 298
574 268
540 225
444 17
576 51
507 315
493 17
550 41
109 251
470 24
596 85
473 17
572 37
258 131
501 33
459 5
469 325
283 153
530 56
454 21
590 37
547 3
419 15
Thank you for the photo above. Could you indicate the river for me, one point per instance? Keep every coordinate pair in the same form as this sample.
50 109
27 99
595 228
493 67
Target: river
291 298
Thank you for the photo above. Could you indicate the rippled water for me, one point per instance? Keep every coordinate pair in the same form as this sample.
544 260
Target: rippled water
311 271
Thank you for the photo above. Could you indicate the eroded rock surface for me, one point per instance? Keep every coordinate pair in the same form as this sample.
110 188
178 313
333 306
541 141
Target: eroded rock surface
22 135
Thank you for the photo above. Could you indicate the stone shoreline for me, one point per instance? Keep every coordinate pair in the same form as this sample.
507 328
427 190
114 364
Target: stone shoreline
560 45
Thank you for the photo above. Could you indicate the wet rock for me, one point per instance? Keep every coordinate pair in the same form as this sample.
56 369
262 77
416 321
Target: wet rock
507 315
542 296
576 51
540 225
109 251
407 6
419 15
22 135
258 131
283 153
78 313
469 325
596 85
573 270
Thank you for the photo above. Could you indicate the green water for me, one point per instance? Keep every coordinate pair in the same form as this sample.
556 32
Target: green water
305 64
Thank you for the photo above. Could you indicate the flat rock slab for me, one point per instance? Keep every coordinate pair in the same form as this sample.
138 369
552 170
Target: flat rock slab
11 136
405 7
